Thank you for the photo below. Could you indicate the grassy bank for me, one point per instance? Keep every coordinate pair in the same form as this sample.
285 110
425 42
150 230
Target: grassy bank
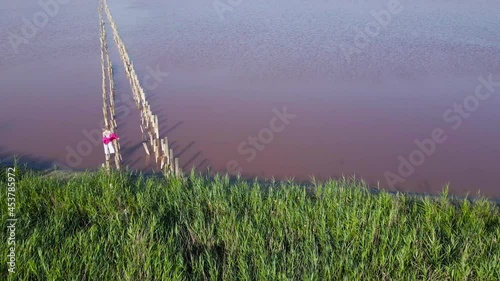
93 226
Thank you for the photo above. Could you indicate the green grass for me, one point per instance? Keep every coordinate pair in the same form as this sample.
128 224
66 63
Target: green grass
92 226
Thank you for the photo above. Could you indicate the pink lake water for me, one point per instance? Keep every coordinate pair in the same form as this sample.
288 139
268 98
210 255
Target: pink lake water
354 114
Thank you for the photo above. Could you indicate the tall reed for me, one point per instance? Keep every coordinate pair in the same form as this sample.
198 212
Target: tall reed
94 226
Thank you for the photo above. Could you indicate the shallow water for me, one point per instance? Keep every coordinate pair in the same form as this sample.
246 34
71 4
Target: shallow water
354 114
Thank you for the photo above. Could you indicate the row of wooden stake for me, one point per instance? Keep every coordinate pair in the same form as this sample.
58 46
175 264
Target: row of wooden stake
150 128
108 96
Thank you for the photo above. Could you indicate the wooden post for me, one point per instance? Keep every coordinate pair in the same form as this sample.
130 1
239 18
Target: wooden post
153 144
150 139
143 135
171 156
163 147
149 112
157 127
158 150
107 163
117 161
166 152
177 170
146 148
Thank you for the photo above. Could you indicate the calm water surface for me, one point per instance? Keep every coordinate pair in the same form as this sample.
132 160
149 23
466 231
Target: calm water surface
355 114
